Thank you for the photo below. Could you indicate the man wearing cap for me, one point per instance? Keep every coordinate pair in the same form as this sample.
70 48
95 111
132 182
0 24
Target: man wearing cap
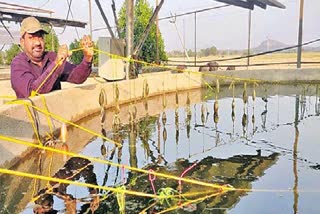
31 69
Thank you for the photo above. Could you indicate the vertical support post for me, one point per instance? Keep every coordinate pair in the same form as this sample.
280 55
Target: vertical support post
129 34
300 34
184 37
195 39
249 39
90 18
157 37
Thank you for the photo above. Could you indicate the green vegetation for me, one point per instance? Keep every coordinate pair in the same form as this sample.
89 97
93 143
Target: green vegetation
143 11
13 51
51 40
77 56
212 51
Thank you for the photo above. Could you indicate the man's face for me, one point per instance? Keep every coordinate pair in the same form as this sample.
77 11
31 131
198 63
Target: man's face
33 45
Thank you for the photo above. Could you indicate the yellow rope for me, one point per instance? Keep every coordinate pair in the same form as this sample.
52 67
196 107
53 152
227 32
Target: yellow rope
33 93
215 186
32 123
190 202
179 70
76 183
59 63
51 187
57 117
47 116
58 180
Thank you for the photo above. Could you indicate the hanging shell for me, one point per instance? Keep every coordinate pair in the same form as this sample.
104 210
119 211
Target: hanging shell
203 118
103 150
164 134
102 115
164 118
188 130
233 104
147 89
164 101
116 122
65 148
203 108
233 116
117 108
177 98
216 106
103 132
244 120
245 95
176 119
188 99
63 133
177 136
134 112
130 118
117 93
189 113
102 98
215 117
145 103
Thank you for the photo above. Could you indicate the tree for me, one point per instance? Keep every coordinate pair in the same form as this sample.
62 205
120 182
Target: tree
11 53
51 40
77 56
143 11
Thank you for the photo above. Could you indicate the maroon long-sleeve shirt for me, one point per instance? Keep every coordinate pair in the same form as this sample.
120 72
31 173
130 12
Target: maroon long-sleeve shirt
27 77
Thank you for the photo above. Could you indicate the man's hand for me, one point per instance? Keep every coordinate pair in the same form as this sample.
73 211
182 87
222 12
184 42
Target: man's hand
62 54
87 45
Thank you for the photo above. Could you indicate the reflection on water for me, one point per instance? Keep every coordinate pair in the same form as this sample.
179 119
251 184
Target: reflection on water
74 169
266 150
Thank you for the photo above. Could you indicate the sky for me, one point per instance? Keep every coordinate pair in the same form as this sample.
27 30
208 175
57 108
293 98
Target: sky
225 28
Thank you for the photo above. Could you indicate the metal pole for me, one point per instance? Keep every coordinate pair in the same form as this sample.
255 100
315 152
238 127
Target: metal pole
184 36
300 34
90 18
249 39
182 44
195 39
157 36
104 18
143 38
129 33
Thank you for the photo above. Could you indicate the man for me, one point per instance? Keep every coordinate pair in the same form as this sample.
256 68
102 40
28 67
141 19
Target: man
30 70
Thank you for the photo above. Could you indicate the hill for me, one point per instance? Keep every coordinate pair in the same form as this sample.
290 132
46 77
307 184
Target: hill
269 45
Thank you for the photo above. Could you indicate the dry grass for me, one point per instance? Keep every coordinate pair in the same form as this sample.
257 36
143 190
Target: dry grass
264 59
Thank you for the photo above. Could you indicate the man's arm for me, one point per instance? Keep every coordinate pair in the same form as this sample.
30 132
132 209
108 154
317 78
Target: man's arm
76 73
24 81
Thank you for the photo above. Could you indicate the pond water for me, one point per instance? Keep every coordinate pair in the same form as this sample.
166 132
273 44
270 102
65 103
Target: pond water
267 149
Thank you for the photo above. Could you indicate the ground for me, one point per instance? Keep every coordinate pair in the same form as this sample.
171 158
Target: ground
264 59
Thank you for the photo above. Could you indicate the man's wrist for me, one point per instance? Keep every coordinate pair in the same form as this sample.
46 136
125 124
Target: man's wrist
88 59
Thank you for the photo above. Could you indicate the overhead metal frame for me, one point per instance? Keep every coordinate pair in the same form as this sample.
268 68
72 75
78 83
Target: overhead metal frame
249 4
5 15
